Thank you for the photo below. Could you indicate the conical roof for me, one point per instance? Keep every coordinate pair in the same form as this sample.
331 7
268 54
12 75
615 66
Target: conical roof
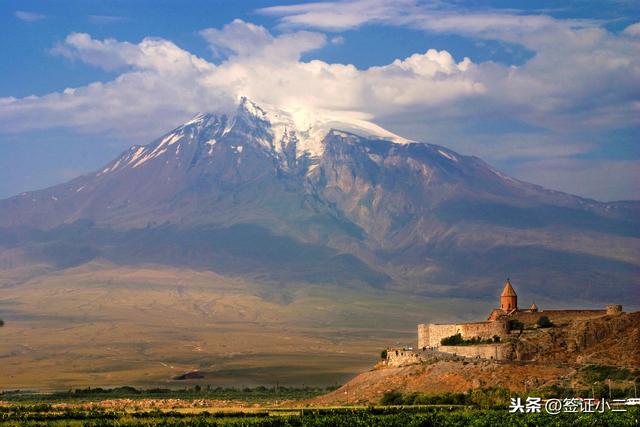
508 290
533 306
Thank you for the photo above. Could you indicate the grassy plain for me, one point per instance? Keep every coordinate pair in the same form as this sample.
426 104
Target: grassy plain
102 325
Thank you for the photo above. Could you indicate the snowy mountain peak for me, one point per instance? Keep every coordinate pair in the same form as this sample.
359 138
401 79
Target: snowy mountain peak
307 127
201 120
286 134
251 109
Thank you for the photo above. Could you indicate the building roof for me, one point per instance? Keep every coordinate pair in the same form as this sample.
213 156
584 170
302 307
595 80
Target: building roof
508 290
533 306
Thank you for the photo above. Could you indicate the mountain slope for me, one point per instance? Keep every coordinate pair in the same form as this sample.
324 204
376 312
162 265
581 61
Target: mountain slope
258 193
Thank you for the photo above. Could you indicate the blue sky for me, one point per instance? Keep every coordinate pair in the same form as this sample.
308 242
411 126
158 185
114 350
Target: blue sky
550 95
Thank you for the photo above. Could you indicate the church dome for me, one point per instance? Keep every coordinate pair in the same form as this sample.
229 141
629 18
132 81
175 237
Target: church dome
508 290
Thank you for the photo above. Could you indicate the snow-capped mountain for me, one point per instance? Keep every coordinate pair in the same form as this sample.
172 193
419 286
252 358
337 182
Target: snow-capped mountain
325 198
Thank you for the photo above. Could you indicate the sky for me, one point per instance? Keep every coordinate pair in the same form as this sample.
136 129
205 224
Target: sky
549 95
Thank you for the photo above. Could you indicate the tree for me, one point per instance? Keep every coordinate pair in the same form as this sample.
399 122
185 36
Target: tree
1 322
515 324
544 322
452 340
383 354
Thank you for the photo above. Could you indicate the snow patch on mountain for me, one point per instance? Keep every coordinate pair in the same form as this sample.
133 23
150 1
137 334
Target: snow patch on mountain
171 139
309 127
198 118
448 156
137 154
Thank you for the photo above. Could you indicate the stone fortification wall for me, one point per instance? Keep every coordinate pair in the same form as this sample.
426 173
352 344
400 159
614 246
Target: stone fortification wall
430 335
423 335
483 351
557 316
401 357
484 330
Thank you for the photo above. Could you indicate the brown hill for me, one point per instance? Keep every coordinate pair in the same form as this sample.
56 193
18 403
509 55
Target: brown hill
609 340
442 376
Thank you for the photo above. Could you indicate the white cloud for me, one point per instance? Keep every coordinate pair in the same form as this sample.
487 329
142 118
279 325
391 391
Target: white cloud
160 84
633 30
245 39
341 15
106 19
433 16
29 16
579 71
160 78
581 79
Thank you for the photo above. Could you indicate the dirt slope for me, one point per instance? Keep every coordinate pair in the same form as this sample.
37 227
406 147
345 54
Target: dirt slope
443 376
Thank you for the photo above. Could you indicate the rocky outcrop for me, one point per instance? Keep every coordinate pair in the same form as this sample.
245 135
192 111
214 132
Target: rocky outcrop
610 340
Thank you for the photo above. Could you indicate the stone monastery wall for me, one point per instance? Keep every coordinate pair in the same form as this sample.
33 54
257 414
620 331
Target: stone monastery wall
556 316
430 335
482 351
484 330
401 357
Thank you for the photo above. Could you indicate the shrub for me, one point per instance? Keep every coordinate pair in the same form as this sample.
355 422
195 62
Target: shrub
458 340
392 398
383 354
593 373
490 397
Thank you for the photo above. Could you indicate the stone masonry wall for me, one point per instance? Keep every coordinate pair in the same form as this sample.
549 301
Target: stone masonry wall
401 357
430 335
434 333
483 351
484 330
423 336
557 316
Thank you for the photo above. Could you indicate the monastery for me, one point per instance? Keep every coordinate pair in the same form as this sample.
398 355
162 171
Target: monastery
491 335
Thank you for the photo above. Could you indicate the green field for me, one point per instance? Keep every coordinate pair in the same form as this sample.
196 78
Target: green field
45 415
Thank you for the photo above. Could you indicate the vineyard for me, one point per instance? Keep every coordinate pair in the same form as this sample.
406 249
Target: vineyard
47 415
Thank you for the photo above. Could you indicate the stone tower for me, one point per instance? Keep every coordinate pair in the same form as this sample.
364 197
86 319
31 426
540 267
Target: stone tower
508 297
614 309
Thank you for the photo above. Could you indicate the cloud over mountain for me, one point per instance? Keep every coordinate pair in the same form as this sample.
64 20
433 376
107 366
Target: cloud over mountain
582 80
